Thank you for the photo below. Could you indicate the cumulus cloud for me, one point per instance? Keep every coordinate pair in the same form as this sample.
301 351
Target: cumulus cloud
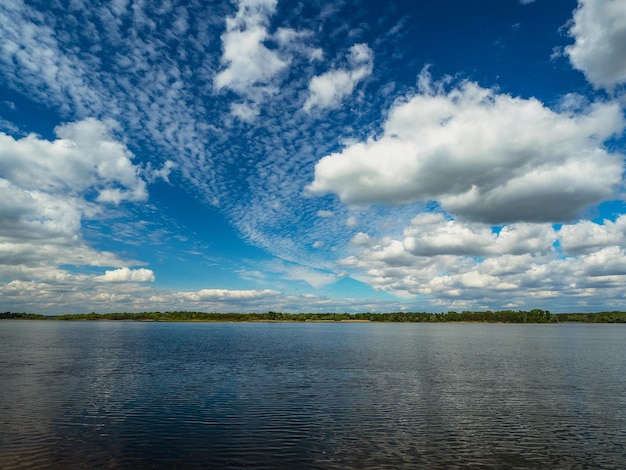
483 155
610 261
85 157
587 236
431 234
79 295
468 265
452 280
254 61
65 63
128 275
154 84
329 89
36 215
599 51
249 65
48 187
246 112
360 239
221 295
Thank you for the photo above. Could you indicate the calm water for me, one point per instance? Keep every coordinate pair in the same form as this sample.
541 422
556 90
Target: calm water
311 395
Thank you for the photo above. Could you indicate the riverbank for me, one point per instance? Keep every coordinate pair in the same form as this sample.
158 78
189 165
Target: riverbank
503 316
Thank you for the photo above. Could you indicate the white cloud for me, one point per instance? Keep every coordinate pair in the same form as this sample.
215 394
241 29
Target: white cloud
325 214
128 275
314 277
483 155
247 112
163 173
387 265
360 239
587 236
599 51
154 85
454 264
79 295
296 42
250 66
143 87
255 61
289 271
610 261
222 295
47 188
31 214
329 89
31 53
85 157
431 234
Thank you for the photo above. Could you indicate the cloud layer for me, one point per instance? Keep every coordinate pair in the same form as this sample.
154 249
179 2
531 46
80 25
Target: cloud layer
471 266
307 130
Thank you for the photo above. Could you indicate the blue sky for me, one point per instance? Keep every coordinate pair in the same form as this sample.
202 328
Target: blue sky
346 156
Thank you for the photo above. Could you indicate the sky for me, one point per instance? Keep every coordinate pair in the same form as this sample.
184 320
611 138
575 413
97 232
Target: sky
312 156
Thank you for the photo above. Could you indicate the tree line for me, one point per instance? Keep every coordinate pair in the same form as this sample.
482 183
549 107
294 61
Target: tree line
501 316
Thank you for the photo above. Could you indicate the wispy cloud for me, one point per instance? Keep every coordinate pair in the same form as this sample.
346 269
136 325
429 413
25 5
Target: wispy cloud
142 88
329 89
160 87
31 55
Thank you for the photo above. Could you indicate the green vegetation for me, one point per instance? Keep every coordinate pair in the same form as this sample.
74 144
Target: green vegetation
21 316
503 316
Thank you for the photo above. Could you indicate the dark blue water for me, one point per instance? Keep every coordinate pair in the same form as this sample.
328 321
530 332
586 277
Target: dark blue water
311 395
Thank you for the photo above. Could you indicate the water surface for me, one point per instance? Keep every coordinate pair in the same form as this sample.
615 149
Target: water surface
311 395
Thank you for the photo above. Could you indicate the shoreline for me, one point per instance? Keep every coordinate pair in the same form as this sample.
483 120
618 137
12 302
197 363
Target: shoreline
504 316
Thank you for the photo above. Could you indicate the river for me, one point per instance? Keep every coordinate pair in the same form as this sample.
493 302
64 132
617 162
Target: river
106 394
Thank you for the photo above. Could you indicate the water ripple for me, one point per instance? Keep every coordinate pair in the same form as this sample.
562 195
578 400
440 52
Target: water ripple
311 396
